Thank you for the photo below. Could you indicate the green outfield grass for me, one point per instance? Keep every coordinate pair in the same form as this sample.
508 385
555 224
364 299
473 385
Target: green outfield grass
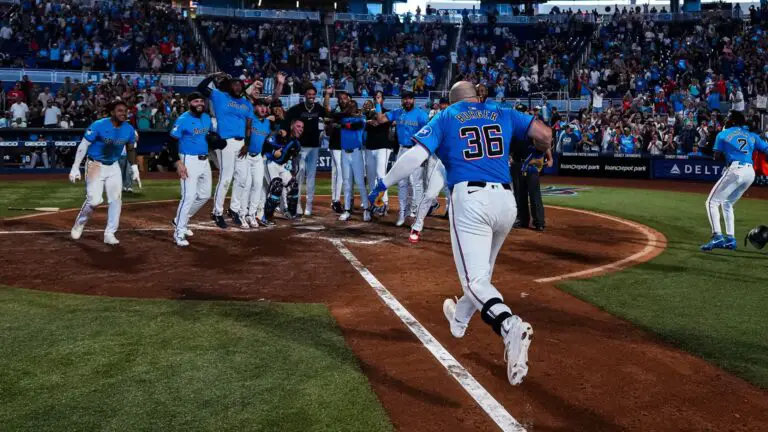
79 363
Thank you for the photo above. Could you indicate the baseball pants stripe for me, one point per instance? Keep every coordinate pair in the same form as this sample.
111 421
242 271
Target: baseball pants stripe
352 169
376 168
226 158
195 191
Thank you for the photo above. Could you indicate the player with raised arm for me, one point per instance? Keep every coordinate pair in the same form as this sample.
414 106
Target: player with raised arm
408 120
735 144
472 140
103 143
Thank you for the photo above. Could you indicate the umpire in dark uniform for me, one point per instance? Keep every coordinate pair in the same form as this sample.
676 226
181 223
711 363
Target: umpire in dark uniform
526 168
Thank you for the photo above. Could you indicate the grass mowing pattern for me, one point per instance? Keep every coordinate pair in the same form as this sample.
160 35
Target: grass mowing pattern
710 304
80 363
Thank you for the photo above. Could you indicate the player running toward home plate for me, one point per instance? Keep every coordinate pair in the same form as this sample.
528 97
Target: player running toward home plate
735 144
103 143
188 147
408 120
472 141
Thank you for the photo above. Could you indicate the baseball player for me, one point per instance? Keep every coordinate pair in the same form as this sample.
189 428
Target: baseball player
735 144
334 129
103 143
378 146
472 142
280 150
352 164
250 166
310 113
408 120
233 117
188 146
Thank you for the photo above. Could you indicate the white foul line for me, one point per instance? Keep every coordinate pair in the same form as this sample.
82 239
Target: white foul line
651 244
490 405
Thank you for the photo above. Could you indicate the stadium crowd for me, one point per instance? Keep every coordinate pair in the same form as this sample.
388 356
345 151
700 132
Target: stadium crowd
106 36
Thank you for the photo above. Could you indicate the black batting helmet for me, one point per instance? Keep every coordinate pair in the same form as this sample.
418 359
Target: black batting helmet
735 118
758 237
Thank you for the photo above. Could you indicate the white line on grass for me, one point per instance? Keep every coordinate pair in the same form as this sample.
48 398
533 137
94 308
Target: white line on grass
491 406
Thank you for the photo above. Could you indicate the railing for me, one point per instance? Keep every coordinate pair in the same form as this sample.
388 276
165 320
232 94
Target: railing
206 50
257 13
58 76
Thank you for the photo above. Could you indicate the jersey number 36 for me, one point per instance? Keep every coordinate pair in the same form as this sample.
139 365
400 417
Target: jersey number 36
485 141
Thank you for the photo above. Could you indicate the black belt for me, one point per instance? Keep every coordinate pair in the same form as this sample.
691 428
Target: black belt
254 154
202 157
349 151
102 162
236 138
483 184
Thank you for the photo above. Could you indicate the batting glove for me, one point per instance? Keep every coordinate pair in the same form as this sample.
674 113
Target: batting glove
74 174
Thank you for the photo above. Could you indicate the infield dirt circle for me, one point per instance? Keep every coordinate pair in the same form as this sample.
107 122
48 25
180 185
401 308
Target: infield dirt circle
588 370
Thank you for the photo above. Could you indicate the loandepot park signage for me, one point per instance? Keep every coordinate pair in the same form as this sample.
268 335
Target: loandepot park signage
688 169
597 165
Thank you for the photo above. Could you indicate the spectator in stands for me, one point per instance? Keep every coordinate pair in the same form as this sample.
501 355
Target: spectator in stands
51 115
19 113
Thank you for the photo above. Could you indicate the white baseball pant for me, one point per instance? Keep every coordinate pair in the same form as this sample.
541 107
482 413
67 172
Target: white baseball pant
249 180
195 191
337 179
97 178
376 167
307 173
410 189
735 180
481 218
353 171
226 158
435 178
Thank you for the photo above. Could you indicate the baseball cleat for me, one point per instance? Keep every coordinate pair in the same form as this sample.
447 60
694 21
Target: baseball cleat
516 344
110 239
180 241
385 210
307 212
449 310
251 221
414 237
400 220
345 216
244 223
412 215
77 231
266 222
336 206
730 243
220 222
717 242
432 208
187 233
366 215
235 218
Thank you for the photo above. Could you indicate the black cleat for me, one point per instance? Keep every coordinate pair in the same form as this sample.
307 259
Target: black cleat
220 222
265 222
539 228
336 207
235 218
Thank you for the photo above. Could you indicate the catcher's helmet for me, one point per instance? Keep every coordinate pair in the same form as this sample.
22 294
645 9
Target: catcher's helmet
758 237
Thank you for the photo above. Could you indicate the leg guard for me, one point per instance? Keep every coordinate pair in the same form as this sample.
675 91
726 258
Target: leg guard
494 322
274 193
293 196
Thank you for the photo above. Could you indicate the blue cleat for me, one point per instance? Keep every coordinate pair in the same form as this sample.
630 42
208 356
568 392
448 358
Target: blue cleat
730 243
717 242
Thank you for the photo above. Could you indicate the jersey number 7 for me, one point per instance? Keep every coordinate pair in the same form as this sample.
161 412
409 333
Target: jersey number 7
485 141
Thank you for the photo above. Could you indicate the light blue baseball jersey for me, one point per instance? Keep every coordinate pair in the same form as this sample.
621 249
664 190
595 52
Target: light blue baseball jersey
627 144
191 132
231 114
108 141
473 141
260 130
352 130
738 143
408 123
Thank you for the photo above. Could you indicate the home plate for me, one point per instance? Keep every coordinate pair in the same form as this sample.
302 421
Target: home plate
353 240
310 227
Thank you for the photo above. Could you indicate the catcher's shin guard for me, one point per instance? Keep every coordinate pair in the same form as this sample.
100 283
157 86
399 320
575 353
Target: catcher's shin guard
273 197
293 196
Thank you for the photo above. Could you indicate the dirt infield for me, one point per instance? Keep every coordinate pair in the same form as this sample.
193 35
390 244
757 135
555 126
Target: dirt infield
589 370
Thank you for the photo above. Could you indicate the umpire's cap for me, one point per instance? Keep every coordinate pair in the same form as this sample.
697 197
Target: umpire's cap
194 96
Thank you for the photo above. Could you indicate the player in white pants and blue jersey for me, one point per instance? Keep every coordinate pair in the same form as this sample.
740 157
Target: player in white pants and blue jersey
735 144
472 140
233 115
188 147
352 164
378 147
408 120
250 166
103 143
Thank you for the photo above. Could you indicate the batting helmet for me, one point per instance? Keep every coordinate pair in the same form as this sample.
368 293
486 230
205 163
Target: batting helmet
758 237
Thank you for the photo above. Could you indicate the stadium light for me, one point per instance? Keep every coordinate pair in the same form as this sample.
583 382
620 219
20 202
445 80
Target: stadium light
259 3
334 5
297 4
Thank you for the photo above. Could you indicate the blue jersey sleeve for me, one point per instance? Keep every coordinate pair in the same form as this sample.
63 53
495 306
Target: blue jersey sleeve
519 122
423 117
394 114
178 128
217 97
761 145
92 133
431 135
719 142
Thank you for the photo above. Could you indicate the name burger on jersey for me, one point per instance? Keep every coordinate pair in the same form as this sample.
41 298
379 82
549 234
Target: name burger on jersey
475 114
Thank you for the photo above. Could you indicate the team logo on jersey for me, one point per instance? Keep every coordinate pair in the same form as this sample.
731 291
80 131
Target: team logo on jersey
424 132
561 191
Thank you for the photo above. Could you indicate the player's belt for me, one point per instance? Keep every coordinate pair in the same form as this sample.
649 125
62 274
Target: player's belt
202 157
101 162
253 154
740 164
483 184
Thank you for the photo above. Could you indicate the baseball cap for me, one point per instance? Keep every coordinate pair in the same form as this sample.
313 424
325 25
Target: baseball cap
194 95
408 94
276 103
444 100
261 101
